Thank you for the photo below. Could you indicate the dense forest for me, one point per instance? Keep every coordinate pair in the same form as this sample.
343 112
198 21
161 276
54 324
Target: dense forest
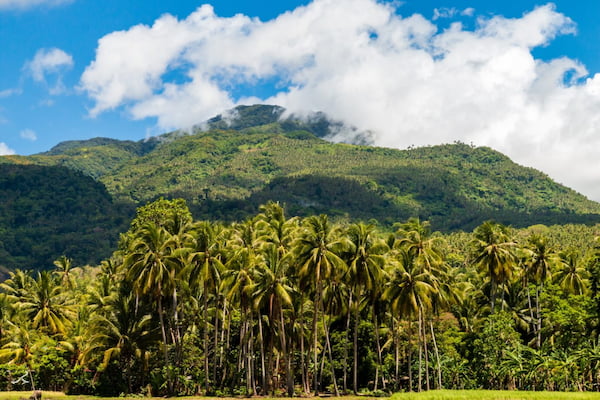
301 305
50 211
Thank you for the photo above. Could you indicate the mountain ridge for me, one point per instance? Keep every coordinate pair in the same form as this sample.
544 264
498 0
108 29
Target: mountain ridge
226 173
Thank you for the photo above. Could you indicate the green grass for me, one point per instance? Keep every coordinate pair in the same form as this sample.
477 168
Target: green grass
431 395
494 395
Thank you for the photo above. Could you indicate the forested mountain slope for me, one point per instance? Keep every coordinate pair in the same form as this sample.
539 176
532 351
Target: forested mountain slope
229 165
47 212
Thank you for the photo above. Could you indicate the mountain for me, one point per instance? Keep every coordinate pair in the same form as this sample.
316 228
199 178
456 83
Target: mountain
229 165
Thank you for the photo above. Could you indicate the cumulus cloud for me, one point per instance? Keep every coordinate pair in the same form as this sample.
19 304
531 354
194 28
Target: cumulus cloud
5 150
24 4
363 62
46 62
28 134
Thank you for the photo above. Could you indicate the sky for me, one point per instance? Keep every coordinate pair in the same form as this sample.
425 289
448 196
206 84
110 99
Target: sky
520 76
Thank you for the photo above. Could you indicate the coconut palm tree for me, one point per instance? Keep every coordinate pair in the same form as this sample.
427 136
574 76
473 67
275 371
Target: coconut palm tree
571 274
64 269
47 305
272 290
125 333
366 270
242 259
410 291
538 262
23 343
317 250
494 254
205 269
152 266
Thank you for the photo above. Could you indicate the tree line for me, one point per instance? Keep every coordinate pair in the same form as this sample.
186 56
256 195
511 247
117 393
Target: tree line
294 306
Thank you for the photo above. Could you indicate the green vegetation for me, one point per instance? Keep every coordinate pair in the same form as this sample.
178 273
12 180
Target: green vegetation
493 395
217 299
46 212
251 157
295 306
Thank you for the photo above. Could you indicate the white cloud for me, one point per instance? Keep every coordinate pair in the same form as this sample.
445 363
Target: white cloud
451 12
9 92
28 134
46 62
362 62
24 4
5 150
468 12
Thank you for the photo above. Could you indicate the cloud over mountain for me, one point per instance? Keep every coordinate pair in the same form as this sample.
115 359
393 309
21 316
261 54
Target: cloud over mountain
364 62
5 150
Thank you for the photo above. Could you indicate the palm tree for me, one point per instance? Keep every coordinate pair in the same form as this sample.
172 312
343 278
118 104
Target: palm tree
538 262
21 347
244 256
46 305
272 289
410 291
64 269
204 268
152 267
125 334
366 264
317 250
494 253
416 237
571 275
425 249
276 229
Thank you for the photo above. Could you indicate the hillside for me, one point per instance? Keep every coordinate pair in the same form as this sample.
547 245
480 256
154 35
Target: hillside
248 157
51 211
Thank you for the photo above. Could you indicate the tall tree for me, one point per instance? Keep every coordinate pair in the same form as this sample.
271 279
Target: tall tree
494 254
538 262
47 305
317 250
366 266
153 267
205 270
410 291
571 274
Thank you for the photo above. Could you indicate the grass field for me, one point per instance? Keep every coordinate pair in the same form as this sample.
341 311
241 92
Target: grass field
431 395
494 395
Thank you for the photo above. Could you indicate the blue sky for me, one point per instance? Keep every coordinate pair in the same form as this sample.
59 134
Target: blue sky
515 75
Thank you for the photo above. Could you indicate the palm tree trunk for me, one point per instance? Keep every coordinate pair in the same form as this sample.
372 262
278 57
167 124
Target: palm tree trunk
396 352
315 339
355 350
538 312
216 342
161 318
502 296
345 362
333 378
410 375
263 372
289 377
426 352
493 295
305 381
420 353
205 342
437 356
379 358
